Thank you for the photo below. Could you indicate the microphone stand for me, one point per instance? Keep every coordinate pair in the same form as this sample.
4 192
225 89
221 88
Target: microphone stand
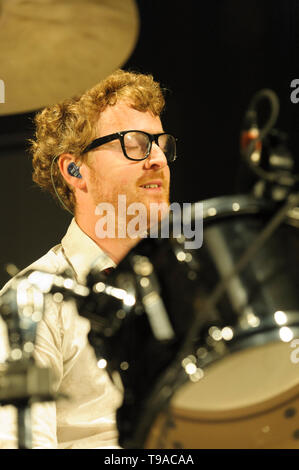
22 381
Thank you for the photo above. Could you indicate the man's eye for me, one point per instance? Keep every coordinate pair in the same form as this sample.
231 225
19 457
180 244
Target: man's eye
115 145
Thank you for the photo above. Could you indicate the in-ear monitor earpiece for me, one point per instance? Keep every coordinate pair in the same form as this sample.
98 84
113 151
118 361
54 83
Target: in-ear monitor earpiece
74 170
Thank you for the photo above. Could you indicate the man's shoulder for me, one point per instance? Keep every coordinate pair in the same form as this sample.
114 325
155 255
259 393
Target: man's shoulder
53 262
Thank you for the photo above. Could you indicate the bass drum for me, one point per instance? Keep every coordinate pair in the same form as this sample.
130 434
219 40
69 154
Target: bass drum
242 379
196 373
250 400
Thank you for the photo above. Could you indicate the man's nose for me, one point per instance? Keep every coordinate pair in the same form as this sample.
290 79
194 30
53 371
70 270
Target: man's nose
156 157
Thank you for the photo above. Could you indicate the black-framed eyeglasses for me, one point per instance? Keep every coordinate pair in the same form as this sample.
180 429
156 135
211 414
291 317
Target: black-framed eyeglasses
137 145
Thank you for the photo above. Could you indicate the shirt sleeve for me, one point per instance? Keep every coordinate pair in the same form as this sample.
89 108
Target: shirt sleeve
86 418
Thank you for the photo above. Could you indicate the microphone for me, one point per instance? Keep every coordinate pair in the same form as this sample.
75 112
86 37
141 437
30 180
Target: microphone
250 137
265 151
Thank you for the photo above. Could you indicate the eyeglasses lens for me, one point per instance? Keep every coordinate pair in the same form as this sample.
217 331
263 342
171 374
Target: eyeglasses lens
168 145
136 144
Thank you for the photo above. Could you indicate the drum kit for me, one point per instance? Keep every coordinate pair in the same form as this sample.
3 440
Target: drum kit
202 340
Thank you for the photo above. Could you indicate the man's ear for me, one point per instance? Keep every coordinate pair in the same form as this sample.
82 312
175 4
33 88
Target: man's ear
70 170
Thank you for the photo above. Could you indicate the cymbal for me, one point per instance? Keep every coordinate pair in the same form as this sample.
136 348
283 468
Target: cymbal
54 49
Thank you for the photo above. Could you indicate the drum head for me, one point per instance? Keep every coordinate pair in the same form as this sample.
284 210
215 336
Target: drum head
243 383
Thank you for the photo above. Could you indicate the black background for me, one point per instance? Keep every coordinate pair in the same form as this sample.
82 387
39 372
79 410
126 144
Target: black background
212 56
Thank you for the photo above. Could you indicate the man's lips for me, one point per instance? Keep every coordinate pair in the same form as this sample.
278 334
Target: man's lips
152 184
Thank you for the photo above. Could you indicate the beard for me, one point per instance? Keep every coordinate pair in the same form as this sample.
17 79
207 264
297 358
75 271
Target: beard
135 209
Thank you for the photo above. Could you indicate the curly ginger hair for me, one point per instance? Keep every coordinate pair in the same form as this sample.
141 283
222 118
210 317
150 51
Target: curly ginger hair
69 126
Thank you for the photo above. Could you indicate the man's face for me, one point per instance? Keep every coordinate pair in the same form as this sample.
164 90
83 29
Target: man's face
111 174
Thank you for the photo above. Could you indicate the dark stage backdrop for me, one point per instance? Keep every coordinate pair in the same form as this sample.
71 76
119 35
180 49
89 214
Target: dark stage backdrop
212 56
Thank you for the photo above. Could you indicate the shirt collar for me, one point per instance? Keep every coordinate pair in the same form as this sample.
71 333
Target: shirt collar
83 253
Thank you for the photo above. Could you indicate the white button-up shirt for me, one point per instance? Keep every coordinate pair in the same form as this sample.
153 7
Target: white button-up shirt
87 418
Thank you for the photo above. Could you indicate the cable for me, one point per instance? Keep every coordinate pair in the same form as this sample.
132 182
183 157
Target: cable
274 101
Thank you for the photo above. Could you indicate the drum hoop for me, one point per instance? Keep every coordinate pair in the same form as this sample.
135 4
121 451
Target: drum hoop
235 205
242 204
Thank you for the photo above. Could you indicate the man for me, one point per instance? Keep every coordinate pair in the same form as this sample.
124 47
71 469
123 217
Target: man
87 151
